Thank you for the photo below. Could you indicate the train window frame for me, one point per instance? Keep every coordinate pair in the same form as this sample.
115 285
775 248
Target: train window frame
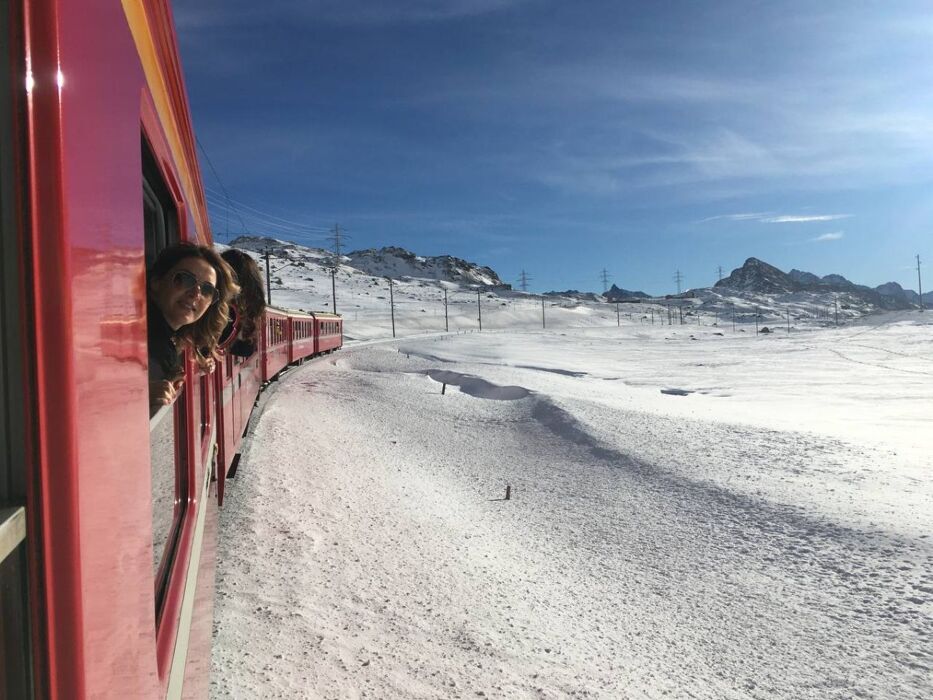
161 228
18 665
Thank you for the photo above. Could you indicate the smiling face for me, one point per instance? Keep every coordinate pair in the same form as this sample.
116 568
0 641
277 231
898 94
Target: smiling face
178 304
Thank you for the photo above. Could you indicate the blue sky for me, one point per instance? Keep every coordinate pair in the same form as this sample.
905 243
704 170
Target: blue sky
564 138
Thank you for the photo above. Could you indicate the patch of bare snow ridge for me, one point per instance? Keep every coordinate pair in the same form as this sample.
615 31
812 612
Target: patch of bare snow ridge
655 545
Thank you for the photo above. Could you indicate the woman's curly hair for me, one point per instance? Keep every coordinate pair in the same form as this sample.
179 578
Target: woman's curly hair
202 335
252 300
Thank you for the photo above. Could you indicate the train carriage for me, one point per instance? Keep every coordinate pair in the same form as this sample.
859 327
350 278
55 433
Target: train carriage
328 332
275 342
301 331
108 516
112 555
237 384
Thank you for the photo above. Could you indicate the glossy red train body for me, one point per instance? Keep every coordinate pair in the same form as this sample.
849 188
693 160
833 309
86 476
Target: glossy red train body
108 519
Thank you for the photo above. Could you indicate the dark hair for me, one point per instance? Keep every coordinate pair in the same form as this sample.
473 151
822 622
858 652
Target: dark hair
203 334
252 301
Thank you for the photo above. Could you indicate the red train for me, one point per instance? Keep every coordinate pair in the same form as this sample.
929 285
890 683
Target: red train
288 338
107 519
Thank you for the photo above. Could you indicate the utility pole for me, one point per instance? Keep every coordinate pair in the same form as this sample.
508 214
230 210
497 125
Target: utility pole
720 274
335 263
446 321
757 311
268 279
604 277
523 281
835 309
543 321
479 309
919 283
788 321
618 319
392 305
733 318
678 278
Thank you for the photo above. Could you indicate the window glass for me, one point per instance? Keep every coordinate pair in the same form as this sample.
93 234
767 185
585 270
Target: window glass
163 450
16 673
204 389
167 439
159 216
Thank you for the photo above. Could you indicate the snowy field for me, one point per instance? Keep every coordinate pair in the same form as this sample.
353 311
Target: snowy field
694 513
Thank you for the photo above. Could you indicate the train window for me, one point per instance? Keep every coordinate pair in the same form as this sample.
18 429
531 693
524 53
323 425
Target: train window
168 456
167 428
15 644
159 215
204 390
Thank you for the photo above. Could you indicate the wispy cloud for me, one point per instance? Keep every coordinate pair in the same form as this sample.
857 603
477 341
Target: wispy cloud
755 216
791 219
834 236
769 218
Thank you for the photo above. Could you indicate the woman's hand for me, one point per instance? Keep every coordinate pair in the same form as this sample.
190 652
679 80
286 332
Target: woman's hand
209 365
164 392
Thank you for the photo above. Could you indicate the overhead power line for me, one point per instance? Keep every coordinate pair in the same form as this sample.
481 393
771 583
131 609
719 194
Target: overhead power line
220 182
269 219
271 216
260 223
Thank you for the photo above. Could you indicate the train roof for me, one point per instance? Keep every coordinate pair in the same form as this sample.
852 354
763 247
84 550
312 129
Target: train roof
302 312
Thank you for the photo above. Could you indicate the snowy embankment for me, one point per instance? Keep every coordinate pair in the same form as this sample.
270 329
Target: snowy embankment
759 530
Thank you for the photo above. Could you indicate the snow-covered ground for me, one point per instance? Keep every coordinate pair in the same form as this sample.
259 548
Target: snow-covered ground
694 513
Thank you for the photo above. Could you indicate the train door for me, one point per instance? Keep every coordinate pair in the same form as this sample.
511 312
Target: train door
16 659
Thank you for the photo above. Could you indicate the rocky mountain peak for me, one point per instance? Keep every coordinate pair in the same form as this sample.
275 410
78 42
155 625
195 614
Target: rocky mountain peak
392 261
758 276
618 294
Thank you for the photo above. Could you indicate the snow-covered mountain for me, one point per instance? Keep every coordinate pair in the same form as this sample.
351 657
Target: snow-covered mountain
618 294
803 277
576 294
893 289
399 263
431 294
758 277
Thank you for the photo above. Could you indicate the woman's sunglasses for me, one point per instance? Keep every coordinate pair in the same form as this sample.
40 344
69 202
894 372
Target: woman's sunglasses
185 280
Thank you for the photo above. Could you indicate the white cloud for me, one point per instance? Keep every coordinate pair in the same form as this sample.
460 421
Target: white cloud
803 219
767 218
834 236
756 216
